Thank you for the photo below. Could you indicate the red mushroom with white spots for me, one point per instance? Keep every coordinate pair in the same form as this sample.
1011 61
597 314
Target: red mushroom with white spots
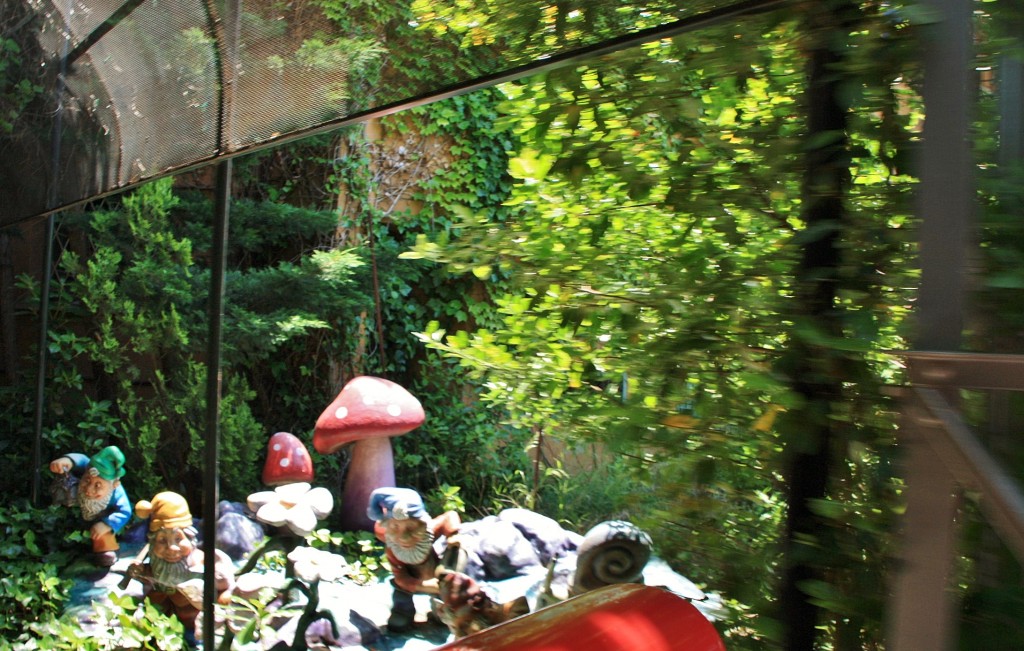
368 411
288 461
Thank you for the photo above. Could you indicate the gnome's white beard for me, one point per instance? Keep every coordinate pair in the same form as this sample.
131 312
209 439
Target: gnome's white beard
92 507
414 555
170 574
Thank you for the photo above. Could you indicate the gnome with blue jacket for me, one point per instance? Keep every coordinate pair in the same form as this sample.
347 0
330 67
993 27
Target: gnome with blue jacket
99 495
408 532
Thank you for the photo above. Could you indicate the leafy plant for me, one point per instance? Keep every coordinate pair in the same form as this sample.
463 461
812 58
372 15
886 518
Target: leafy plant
654 244
120 623
361 550
20 85
36 551
250 620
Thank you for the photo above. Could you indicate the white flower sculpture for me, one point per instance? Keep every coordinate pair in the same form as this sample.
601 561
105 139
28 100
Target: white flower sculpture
311 564
296 506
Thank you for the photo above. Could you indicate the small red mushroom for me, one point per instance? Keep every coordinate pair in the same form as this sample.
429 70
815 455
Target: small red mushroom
288 461
368 411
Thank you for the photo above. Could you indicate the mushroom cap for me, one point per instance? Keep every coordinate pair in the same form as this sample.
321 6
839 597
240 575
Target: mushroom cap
367 407
288 461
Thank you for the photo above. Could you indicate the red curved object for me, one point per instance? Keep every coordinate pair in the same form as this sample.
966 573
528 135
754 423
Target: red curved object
626 617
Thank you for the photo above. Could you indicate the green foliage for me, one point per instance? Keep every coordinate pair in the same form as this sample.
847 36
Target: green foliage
136 290
460 442
990 572
20 85
623 245
353 58
128 332
120 624
302 316
653 240
477 176
254 618
138 379
16 93
989 618
578 499
445 498
360 549
35 552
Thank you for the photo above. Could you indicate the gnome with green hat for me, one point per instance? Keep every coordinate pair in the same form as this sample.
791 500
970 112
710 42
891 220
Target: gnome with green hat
104 504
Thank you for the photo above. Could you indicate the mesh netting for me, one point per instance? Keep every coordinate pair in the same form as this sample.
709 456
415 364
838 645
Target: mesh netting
99 95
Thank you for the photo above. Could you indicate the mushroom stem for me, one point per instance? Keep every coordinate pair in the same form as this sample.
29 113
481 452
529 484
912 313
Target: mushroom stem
371 467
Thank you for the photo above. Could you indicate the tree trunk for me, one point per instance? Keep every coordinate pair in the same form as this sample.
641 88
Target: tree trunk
815 372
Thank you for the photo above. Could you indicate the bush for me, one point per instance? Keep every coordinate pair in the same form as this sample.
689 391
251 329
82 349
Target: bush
36 551
121 624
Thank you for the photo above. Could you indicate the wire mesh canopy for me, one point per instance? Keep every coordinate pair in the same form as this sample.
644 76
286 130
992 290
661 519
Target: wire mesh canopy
97 96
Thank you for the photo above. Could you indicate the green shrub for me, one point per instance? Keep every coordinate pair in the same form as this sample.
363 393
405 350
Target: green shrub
36 550
121 624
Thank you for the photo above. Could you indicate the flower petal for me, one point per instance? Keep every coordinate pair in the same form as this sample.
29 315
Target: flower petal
319 500
272 513
301 520
290 494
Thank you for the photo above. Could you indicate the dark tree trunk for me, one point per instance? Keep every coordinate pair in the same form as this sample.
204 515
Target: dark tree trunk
815 369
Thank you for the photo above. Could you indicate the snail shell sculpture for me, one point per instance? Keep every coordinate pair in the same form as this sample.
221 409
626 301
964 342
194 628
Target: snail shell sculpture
612 552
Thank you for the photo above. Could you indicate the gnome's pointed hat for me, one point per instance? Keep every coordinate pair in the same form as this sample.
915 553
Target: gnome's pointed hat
166 510
109 463
398 503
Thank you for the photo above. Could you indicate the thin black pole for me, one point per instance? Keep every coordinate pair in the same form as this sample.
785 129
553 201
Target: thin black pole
52 199
44 327
211 485
226 30
809 457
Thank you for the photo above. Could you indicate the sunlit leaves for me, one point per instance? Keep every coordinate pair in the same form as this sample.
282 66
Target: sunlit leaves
657 220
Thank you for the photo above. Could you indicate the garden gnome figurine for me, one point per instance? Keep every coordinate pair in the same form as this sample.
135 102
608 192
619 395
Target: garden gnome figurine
103 502
174 572
408 533
402 523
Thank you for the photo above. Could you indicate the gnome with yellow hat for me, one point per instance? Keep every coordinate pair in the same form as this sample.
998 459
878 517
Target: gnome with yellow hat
174 571
103 502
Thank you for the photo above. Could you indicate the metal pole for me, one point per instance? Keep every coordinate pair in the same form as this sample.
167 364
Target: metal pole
227 30
44 327
1011 110
211 485
52 199
922 606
